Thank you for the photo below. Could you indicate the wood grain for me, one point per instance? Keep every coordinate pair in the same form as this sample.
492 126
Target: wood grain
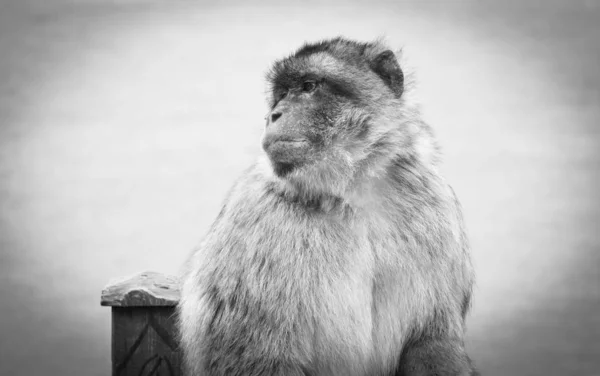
144 340
147 289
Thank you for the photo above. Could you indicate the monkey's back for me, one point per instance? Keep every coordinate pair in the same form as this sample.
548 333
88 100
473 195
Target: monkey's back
309 286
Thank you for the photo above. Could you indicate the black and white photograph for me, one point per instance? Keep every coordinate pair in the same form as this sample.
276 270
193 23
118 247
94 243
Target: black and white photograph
300 188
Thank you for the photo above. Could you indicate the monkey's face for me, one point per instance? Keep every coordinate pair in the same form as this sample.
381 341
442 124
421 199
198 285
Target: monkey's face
323 102
300 127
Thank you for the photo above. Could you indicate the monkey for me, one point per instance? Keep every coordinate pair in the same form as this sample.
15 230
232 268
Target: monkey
341 250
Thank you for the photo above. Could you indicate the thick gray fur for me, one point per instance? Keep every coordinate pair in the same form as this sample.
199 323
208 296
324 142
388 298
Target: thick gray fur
348 259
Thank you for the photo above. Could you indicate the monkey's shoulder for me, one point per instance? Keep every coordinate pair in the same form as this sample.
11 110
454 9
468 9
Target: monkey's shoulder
418 213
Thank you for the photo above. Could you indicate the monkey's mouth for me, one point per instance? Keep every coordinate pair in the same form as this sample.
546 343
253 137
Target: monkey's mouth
285 150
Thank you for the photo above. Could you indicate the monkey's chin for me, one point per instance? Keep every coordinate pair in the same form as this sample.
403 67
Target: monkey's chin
283 169
286 157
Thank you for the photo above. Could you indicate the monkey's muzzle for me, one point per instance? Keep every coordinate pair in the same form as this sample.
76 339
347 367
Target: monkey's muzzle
285 148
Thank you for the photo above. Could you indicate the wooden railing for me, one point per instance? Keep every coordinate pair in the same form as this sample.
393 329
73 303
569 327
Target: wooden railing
144 340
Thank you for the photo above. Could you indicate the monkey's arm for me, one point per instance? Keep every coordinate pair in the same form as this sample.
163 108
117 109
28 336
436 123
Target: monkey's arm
436 356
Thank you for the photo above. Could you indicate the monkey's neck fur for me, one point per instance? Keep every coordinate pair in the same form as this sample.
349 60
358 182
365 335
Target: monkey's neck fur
373 182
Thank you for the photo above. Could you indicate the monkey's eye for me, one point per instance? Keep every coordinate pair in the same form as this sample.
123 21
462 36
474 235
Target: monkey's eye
309 86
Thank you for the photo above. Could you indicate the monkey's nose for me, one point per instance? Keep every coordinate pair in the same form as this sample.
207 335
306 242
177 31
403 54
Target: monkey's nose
275 116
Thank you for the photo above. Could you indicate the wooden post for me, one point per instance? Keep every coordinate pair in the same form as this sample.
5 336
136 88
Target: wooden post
144 340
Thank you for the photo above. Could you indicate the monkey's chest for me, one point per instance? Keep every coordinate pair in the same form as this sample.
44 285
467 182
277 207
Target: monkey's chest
314 286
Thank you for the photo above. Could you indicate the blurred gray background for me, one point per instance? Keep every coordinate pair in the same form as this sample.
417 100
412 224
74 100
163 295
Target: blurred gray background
123 123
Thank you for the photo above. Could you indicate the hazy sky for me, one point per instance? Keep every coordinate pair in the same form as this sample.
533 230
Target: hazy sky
123 123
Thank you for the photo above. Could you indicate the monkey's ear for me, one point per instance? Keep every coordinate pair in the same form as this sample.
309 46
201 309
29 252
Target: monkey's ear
386 66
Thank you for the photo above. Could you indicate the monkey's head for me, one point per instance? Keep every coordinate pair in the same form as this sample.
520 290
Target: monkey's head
336 113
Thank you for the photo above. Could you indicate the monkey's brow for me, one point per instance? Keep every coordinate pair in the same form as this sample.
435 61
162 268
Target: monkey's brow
335 84
288 80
